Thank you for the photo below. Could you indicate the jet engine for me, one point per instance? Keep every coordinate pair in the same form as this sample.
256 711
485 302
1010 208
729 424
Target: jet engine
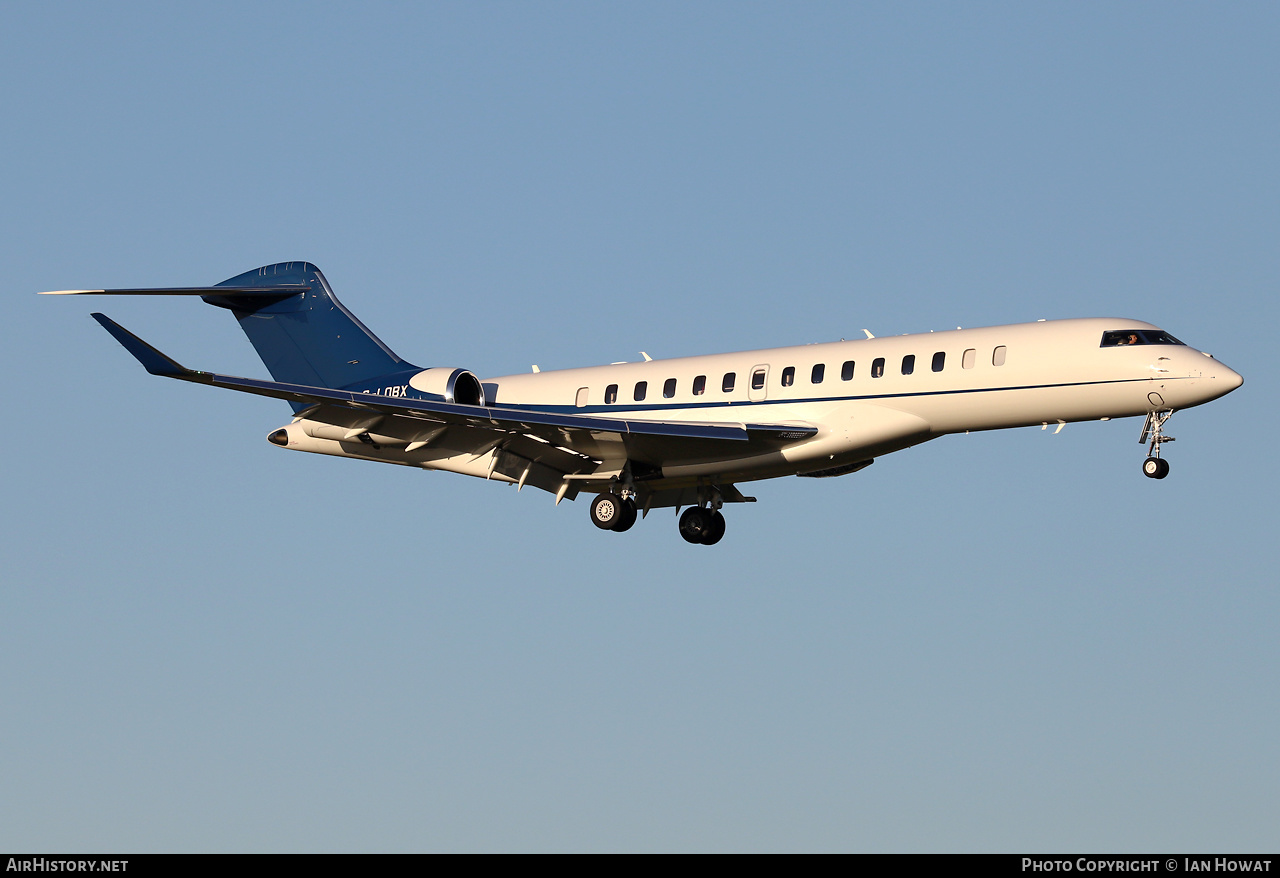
454 385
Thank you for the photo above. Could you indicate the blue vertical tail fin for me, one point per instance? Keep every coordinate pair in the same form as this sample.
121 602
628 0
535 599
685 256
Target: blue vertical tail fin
306 337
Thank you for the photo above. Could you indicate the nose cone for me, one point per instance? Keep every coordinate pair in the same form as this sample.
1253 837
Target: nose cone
1230 379
1221 380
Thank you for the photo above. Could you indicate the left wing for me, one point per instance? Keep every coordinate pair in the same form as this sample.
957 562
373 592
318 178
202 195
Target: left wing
653 442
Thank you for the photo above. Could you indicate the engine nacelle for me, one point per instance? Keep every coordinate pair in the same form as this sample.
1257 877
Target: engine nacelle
455 385
311 436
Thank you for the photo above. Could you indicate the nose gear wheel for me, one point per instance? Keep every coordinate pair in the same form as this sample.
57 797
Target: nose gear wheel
1155 467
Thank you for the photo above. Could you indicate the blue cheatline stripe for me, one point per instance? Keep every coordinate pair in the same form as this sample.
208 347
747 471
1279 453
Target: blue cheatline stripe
619 408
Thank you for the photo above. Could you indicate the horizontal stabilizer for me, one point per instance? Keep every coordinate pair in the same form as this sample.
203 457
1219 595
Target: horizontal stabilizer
275 291
301 331
155 362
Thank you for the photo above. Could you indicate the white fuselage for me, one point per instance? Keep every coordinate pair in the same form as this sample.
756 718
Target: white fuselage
962 380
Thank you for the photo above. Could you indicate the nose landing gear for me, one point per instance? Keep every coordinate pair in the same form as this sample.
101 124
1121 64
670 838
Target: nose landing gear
1155 467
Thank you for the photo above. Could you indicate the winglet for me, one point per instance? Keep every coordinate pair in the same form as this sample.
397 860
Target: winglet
152 360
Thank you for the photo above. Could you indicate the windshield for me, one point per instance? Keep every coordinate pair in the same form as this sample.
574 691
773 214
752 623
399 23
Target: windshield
1118 337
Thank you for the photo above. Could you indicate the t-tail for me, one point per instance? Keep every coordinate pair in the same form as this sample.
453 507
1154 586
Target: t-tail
301 331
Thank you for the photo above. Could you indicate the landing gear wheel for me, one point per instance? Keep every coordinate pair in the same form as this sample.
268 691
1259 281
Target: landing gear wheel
1155 467
627 517
715 531
694 524
606 511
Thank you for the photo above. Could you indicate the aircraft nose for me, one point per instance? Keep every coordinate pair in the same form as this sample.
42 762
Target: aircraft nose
1223 379
1211 379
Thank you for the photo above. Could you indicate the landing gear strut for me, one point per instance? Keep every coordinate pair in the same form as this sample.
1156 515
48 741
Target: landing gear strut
1155 467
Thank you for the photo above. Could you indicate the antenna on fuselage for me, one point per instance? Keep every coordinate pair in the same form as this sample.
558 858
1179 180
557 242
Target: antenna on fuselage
868 332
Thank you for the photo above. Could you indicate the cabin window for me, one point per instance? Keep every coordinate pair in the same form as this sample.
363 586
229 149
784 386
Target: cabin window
997 356
669 388
969 358
727 384
1120 337
939 360
815 377
581 399
757 379
908 364
788 376
877 367
611 394
846 371
700 385
642 387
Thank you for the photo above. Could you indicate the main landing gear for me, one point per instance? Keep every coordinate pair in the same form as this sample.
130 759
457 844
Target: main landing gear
1155 466
613 512
702 524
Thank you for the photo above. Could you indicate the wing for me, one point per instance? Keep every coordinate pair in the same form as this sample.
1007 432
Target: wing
570 444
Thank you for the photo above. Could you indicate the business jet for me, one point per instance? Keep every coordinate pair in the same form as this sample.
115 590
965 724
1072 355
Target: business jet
683 432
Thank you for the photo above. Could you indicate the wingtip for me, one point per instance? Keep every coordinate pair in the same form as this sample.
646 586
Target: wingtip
69 292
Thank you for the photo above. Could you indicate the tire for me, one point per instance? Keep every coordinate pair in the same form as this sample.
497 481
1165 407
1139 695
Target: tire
1153 466
695 522
606 511
626 517
715 530
1164 469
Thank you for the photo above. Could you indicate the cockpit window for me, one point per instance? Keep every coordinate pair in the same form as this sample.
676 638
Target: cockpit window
1119 337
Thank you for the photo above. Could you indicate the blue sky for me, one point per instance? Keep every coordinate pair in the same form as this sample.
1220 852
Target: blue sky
1001 642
